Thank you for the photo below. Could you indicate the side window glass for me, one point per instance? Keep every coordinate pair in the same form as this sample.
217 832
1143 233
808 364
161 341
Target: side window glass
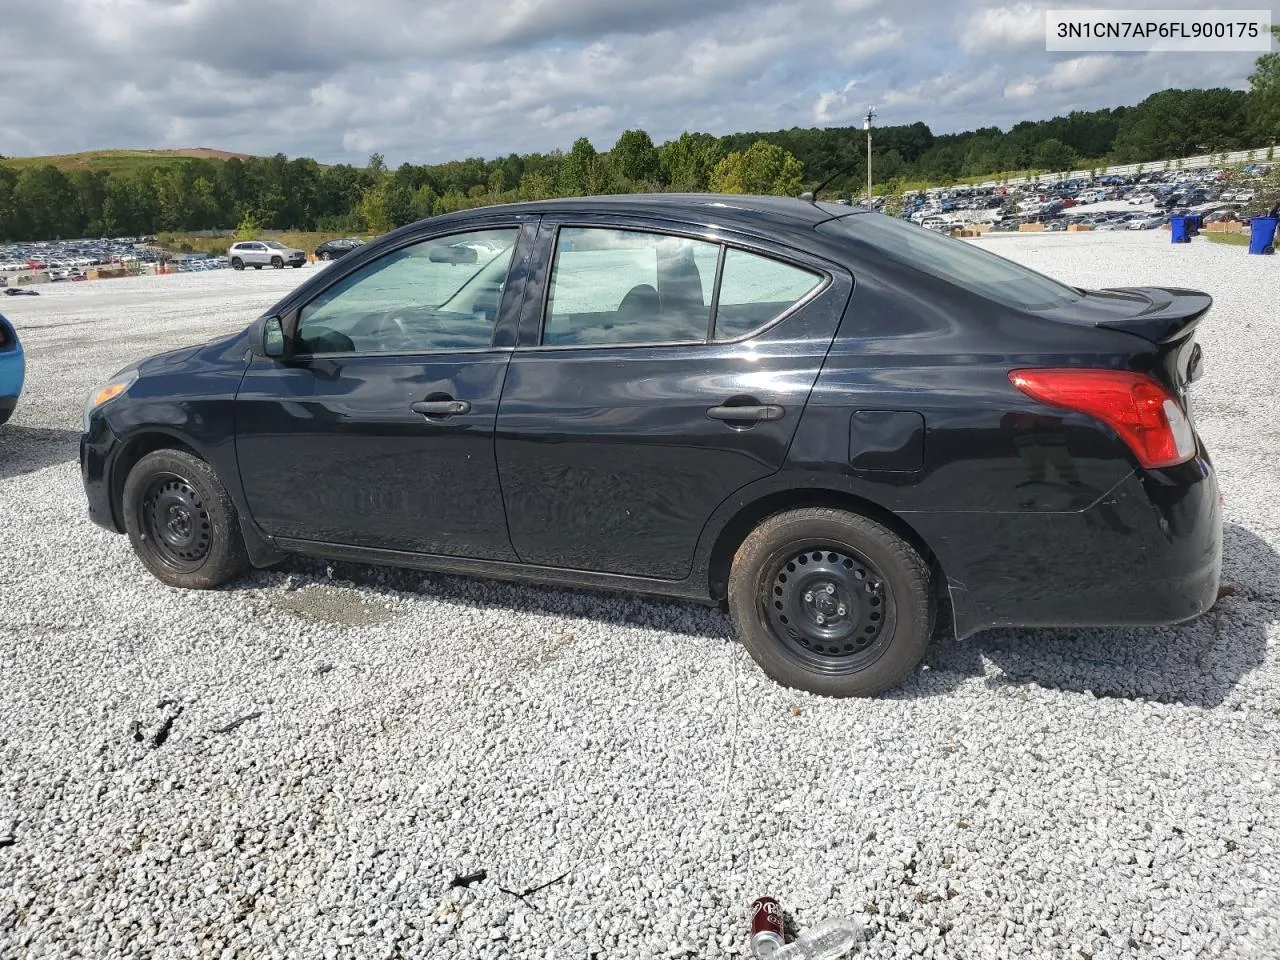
438 295
755 290
628 287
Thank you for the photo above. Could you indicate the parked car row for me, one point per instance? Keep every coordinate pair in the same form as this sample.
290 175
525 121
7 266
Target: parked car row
1157 192
70 258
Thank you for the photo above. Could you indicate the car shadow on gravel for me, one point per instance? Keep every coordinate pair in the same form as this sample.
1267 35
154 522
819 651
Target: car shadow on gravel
618 609
28 449
1197 663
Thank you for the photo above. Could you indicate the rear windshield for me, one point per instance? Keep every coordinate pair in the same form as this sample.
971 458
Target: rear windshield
955 261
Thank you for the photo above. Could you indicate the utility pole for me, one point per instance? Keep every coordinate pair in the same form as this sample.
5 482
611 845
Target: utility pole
866 125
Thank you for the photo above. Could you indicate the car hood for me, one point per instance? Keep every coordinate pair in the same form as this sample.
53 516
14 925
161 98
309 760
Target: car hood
174 358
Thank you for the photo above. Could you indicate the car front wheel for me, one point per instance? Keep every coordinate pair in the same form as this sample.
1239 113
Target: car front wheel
181 522
831 602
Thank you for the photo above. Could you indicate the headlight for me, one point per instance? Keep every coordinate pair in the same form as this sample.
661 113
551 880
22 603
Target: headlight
108 392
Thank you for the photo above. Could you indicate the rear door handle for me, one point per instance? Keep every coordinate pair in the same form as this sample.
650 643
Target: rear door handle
747 413
441 408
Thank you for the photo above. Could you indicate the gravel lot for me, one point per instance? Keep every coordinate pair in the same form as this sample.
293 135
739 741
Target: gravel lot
1082 794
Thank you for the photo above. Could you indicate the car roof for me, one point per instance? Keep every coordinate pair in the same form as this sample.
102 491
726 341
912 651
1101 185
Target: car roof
729 209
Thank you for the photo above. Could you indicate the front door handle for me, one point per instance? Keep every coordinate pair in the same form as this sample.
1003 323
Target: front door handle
441 408
747 413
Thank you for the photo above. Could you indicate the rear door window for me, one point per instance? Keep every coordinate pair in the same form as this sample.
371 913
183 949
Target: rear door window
629 287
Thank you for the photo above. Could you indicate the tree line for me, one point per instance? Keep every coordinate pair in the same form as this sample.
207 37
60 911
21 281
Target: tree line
300 194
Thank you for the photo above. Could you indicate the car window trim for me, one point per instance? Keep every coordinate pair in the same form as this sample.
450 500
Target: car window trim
715 294
688 232
517 226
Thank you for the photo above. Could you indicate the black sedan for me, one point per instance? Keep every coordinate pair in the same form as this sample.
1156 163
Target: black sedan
333 249
841 426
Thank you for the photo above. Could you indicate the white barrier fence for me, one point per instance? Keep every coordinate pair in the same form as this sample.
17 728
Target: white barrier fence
1256 155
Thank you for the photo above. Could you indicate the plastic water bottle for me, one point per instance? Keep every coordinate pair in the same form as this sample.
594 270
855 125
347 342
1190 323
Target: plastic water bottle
826 941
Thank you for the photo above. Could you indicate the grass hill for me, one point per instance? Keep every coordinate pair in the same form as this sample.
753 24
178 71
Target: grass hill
121 161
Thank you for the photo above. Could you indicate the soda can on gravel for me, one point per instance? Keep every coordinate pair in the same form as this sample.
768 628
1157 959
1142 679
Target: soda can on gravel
766 926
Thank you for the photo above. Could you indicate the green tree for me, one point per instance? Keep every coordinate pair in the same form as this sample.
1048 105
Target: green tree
249 228
1053 154
577 171
635 157
536 186
686 163
763 168
10 229
1264 95
46 203
1172 123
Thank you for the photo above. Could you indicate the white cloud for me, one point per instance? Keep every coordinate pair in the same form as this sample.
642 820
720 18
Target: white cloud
336 79
1020 89
1002 28
1081 72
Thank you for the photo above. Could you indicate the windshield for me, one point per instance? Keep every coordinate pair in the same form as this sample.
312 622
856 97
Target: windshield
955 261
274 245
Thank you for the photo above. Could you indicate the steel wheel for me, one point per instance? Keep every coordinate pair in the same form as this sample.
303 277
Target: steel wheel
829 607
175 521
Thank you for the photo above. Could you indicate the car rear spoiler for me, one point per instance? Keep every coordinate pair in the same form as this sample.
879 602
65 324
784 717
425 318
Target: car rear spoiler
1165 314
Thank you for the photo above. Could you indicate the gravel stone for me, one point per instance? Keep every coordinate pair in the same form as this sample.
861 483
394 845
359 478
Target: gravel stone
1054 793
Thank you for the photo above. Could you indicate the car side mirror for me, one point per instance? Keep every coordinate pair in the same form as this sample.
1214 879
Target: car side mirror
274 342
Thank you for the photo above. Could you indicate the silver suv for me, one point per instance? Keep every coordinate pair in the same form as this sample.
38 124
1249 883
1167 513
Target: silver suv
264 253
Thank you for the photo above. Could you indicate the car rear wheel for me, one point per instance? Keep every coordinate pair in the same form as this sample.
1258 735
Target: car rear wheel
277 263
181 522
325 257
831 602
237 264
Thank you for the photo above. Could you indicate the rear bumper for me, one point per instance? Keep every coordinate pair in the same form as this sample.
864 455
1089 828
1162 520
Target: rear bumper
1148 553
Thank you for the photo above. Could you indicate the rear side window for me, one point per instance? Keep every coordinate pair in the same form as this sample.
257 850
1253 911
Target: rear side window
962 264
628 287
754 290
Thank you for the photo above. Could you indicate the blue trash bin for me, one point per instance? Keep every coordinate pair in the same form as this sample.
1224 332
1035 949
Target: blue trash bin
1262 234
1178 229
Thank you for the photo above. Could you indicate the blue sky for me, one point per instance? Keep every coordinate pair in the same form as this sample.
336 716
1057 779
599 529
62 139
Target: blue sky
432 80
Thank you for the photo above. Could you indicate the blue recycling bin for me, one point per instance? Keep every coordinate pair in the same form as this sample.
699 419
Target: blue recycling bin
1262 234
1179 229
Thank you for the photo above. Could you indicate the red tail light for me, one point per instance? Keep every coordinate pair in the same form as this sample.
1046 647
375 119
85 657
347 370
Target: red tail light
1134 405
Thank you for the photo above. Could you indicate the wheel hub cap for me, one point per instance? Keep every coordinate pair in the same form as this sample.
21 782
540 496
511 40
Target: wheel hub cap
827 602
176 521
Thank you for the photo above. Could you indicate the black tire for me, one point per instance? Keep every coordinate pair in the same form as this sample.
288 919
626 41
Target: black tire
277 263
237 263
298 265
181 522
325 256
881 608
